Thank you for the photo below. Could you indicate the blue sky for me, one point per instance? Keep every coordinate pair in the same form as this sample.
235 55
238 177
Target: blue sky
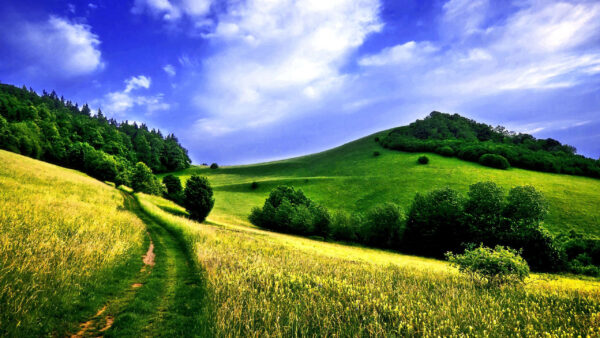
240 81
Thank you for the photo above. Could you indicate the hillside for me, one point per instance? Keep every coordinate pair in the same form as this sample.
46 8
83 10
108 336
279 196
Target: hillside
351 178
261 283
66 243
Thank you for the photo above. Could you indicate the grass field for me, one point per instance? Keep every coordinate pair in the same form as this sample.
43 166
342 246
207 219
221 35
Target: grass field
66 244
263 284
350 178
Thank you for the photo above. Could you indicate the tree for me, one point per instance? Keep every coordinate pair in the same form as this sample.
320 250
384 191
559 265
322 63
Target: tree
494 161
198 198
423 159
383 226
435 222
144 181
525 205
214 166
483 210
174 188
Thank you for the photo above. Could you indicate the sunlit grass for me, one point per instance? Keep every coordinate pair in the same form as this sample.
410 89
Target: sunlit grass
267 284
65 240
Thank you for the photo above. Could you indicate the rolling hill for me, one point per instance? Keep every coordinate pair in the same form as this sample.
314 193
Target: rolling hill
351 178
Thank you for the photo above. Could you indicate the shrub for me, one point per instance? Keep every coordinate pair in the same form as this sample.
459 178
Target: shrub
383 226
423 159
345 226
289 210
483 210
376 138
144 181
434 224
492 267
198 198
214 166
174 188
254 185
446 151
525 205
376 153
494 161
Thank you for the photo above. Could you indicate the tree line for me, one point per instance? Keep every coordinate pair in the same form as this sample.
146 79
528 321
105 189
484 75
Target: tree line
55 130
454 135
440 221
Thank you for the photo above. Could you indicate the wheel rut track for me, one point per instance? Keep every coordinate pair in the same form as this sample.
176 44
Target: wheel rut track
165 298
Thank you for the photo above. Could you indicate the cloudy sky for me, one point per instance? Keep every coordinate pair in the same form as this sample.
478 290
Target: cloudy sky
240 81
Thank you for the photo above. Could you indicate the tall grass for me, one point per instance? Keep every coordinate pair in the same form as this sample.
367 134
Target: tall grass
267 284
65 242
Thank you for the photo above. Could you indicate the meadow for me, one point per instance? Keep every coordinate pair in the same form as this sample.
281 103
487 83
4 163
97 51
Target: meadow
66 244
261 283
351 178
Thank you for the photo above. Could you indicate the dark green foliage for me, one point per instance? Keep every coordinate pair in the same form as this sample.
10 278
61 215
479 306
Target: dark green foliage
198 198
174 188
494 161
144 181
446 151
345 227
377 139
483 211
525 205
582 254
254 185
491 267
48 128
470 140
289 210
376 153
435 223
214 166
423 159
383 226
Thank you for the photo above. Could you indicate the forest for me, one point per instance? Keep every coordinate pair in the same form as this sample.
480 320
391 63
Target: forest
454 135
56 130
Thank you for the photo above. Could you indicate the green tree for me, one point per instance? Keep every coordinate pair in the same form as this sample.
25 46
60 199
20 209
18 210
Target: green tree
525 205
198 198
174 189
144 181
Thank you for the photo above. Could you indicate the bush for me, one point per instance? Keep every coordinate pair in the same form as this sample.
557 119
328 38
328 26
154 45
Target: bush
198 198
214 166
435 222
446 151
525 205
376 153
377 139
383 226
254 185
174 188
144 181
289 210
345 226
493 267
423 159
494 161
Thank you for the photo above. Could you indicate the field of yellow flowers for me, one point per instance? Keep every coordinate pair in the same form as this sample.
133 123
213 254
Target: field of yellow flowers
266 284
65 244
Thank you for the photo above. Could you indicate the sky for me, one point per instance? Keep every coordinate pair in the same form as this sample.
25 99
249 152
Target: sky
242 81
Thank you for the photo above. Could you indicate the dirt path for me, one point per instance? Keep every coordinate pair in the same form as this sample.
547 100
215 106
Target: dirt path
165 298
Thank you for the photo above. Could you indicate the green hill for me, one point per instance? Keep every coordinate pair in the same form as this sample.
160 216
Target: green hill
351 178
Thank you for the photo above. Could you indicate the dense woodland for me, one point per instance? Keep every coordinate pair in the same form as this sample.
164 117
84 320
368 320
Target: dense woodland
53 129
454 135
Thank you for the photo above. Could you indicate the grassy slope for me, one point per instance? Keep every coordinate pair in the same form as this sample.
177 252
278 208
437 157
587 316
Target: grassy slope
351 178
261 283
66 245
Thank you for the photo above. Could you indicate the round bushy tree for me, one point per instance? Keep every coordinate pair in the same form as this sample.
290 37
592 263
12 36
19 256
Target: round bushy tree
423 159
494 161
174 188
483 210
525 205
198 198
144 181
446 151
214 166
492 267
383 226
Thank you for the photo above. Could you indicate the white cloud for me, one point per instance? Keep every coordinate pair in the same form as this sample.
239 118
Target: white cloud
535 48
58 47
407 53
278 58
174 9
119 102
170 70
136 82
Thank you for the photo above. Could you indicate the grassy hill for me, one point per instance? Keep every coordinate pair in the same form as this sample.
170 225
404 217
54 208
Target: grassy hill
351 178
261 283
66 243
